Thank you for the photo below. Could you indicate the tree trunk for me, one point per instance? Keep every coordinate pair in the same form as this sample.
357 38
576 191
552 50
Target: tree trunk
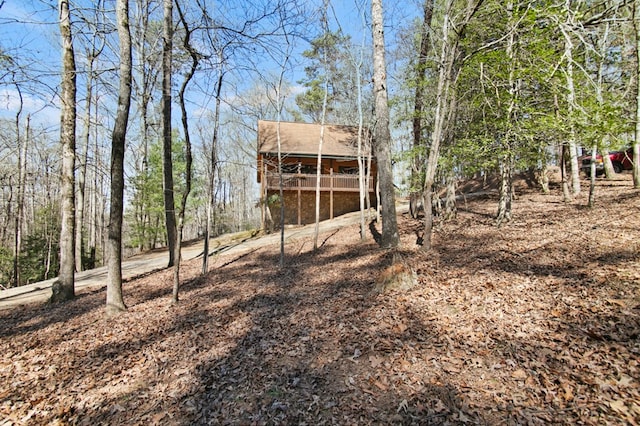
421 80
188 156
609 171
280 190
363 183
382 141
506 192
148 78
566 193
18 217
544 174
22 173
213 158
592 176
437 132
115 301
82 169
167 162
508 141
636 143
316 230
64 288
450 210
602 53
571 101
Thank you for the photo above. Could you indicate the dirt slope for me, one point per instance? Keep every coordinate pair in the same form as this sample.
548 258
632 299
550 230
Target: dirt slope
535 322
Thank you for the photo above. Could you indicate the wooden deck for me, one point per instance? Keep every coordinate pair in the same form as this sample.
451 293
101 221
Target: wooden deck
307 182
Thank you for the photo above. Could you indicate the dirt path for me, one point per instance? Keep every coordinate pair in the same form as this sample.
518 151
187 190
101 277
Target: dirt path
149 262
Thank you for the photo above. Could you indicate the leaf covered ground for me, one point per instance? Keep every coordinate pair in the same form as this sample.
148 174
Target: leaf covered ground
533 322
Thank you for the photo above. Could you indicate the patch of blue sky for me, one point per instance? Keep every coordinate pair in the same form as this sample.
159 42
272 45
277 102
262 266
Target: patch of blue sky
29 32
29 44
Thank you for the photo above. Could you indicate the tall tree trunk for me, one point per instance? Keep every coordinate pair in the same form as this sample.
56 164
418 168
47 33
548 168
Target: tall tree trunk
508 141
148 77
363 183
64 288
421 80
316 229
94 231
382 141
213 158
323 116
280 189
115 301
636 143
437 132
566 193
571 102
22 169
188 156
83 157
602 52
167 161
279 107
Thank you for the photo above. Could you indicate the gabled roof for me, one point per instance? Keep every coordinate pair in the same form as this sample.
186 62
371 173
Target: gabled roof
302 139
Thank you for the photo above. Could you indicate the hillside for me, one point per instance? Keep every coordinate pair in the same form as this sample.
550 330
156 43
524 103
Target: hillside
534 322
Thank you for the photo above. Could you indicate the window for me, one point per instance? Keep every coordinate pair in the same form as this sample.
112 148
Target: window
348 170
308 169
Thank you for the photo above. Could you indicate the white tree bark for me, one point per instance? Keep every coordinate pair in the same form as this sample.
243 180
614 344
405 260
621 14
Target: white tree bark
382 135
571 101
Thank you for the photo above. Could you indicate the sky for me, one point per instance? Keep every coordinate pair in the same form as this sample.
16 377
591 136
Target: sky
29 31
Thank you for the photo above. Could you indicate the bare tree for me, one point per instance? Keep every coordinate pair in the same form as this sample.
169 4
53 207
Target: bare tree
363 181
195 59
418 106
213 165
115 301
22 169
323 115
280 105
390 237
64 288
146 47
92 53
167 162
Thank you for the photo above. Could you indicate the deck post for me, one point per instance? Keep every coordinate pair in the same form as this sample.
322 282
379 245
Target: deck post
299 182
263 194
331 193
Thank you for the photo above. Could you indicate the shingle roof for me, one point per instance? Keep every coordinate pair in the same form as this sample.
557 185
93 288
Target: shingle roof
303 139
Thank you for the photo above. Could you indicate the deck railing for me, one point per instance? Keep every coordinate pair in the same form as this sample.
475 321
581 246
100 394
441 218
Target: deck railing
307 182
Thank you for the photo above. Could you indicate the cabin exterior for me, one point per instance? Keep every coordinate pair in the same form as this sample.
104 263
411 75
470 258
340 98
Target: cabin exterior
339 182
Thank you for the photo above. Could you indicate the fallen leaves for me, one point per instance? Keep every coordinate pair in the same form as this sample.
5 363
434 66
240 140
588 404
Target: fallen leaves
535 322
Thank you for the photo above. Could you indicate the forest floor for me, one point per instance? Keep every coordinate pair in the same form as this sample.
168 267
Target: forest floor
533 322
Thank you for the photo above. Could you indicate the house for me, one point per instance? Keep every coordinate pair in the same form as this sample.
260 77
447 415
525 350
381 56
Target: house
339 181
